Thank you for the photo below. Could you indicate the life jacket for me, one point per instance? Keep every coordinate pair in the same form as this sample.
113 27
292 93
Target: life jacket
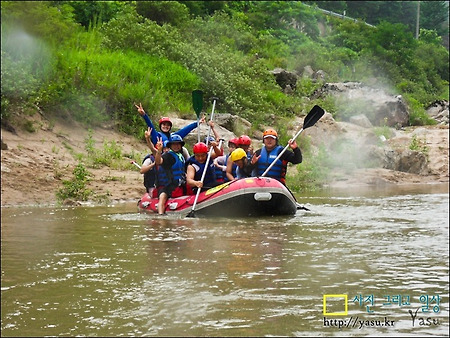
233 169
210 175
220 175
175 175
278 170
149 176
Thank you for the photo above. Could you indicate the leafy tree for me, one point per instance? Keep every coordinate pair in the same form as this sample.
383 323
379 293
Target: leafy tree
88 13
334 6
434 16
40 19
171 12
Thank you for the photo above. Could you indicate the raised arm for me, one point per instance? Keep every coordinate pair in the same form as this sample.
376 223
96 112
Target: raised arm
149 142
154 133
230 169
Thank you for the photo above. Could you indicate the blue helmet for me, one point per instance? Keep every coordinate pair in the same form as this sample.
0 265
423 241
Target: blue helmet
209 139
175 138
165 144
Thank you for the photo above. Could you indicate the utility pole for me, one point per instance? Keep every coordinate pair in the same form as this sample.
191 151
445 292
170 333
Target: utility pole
418 20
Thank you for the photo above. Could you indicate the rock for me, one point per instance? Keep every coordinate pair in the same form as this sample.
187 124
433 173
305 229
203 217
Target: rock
285 78
4 145
439 111
413 162
408 161
320 75
308 72
361 120
380 107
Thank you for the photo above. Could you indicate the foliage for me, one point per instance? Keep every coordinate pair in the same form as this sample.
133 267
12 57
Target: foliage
311 174
162 12
419 145
111 155
89 13
76 187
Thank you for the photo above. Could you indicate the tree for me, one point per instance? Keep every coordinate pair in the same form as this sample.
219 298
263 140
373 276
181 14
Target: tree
171 12
434 15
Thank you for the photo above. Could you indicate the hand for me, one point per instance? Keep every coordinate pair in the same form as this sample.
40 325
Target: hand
140 109
203 119
159 144
148 133
199 184
292 144
211 124
255 159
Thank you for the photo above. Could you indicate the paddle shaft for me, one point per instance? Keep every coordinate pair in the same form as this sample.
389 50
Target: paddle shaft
137 165
212 116
203 175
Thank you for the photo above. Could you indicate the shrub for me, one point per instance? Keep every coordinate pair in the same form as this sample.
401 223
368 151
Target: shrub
76 187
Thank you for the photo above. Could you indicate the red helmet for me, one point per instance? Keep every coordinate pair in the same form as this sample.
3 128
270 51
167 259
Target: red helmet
234 141
165 119
200 148
245 140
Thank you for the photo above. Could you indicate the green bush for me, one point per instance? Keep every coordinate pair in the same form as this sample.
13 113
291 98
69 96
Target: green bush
76 187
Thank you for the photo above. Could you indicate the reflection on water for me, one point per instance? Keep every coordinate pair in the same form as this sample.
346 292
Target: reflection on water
110 271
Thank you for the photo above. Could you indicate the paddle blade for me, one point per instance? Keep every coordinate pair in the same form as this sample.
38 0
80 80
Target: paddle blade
197 101
313 116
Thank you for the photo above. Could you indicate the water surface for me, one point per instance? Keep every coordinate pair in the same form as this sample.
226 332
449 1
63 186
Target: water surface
110 271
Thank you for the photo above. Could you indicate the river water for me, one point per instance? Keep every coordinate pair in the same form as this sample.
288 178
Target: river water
357 263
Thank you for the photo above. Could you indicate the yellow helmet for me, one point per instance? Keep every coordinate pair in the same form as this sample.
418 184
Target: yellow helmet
238 154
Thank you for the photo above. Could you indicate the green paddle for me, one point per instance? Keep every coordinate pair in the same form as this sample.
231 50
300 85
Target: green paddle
197 102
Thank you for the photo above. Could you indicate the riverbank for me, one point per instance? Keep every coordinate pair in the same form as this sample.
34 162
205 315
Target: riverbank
34 164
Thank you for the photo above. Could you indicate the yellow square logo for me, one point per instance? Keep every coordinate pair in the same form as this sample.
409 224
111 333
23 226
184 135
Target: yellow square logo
335 303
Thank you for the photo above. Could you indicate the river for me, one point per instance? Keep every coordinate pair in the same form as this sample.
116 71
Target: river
358 263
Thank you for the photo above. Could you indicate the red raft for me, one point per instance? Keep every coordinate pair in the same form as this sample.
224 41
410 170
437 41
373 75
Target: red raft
255 196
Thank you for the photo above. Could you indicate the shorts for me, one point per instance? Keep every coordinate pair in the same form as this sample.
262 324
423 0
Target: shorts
171 190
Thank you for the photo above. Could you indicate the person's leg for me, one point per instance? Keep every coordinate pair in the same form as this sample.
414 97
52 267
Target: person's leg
162 202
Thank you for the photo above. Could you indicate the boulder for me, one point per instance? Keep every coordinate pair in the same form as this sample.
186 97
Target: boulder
285 78
361 120
439 110
380 107
408 161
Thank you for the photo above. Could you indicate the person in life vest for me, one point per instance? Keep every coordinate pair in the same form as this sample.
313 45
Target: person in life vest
245 143
211 141
171 176
197 165
165 126
148 168
269 152
244 167
221 161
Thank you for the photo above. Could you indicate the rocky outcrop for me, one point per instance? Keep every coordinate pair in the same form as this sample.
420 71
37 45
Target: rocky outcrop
286 80
355 98
438 110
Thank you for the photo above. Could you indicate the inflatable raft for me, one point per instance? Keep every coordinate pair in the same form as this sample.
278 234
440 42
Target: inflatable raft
255 196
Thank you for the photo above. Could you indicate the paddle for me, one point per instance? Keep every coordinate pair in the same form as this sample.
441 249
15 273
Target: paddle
212 116
192 212
313 116
197 102
137 165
